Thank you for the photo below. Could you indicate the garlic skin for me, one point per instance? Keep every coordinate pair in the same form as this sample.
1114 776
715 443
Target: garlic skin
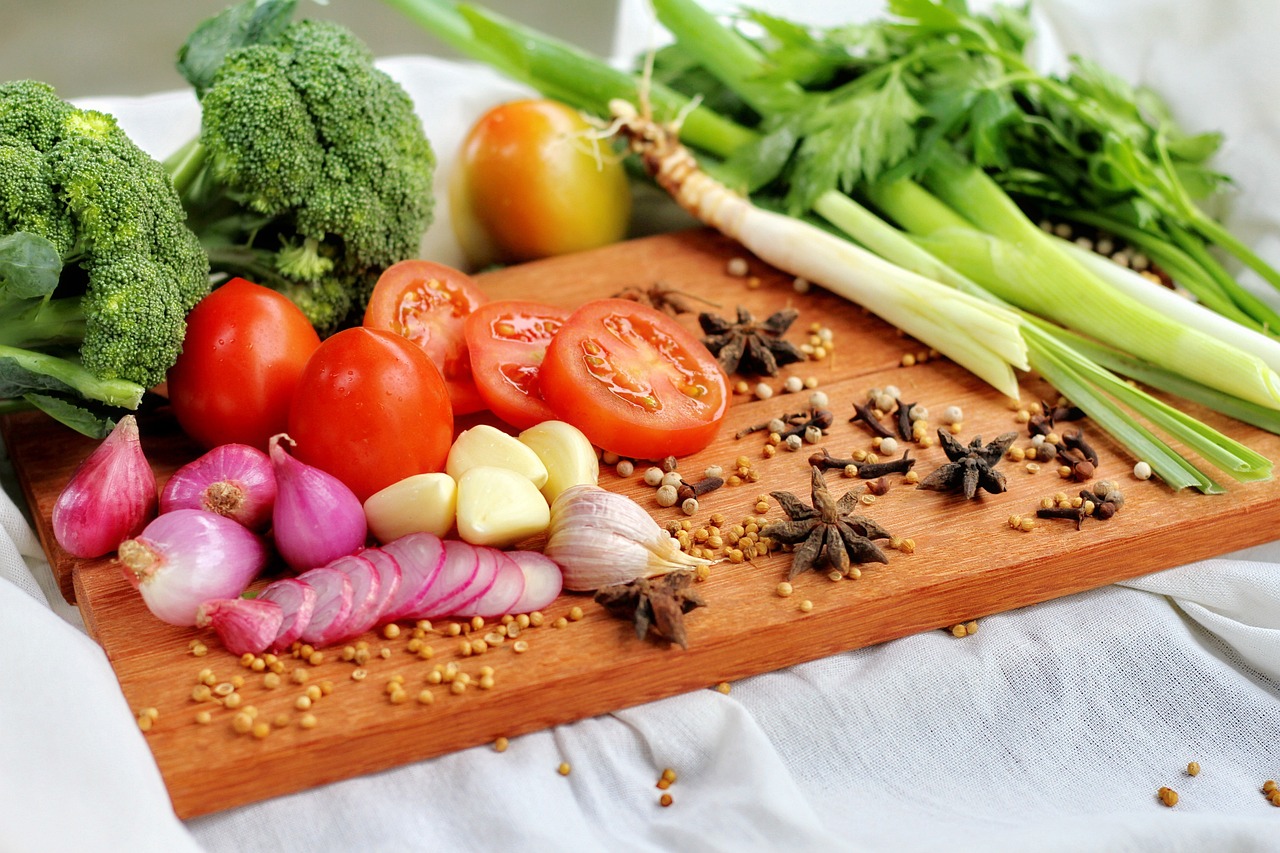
109 498
600 538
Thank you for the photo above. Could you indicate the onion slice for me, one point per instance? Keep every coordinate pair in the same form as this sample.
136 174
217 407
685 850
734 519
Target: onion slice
421 557
297 602
333 605
457 577
365 598
500 598
389 576
244 625
543 580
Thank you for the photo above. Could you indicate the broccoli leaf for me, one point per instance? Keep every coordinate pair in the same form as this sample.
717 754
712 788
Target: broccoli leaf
29 265
68 413
256 22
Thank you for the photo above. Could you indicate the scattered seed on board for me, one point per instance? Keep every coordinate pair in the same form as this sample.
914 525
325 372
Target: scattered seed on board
501 744
1142 471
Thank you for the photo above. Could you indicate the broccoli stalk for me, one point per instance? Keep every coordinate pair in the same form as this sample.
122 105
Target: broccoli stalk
97 267
311 173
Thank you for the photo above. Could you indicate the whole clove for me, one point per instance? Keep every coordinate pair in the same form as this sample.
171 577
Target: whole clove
696 490
1075 441
867 418
903 421
824 461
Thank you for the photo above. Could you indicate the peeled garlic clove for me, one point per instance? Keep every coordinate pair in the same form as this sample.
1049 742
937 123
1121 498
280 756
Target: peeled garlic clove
569 458
499 507
110 497
601 538
491 447
423 503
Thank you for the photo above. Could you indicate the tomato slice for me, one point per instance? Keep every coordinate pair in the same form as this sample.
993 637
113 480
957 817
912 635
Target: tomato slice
508 340
428 303
634 380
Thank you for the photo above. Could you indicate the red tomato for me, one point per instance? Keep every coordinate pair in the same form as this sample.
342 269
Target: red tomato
428 303
533 180
371 409
508 341
244 350
634 380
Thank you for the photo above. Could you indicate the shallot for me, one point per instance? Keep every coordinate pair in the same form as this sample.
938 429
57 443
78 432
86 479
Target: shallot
187 557
110 497
244 625
316 518
234 480
297 601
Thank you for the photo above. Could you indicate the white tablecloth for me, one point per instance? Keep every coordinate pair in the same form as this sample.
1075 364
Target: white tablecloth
1050 729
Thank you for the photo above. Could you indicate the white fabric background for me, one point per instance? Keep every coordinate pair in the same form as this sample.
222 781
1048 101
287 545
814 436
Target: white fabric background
1049 730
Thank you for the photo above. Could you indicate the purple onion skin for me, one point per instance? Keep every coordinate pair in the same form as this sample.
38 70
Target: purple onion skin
187 557
317 518
110 497
234 480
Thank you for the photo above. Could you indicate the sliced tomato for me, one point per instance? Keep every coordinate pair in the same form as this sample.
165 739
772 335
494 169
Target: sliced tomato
428 303
508 340
634 380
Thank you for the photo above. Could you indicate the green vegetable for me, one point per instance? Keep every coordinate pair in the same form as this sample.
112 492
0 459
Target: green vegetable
311 173
813 118
97 267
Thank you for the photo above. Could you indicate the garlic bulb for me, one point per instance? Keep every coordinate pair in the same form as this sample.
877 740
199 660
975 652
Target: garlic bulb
600 538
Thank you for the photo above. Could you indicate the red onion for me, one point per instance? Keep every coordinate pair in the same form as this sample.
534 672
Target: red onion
366 599
187 557
316 517
242 624
110 497
508 587
297 602
543 580
421 557
333 605
234 480
467 574
389 578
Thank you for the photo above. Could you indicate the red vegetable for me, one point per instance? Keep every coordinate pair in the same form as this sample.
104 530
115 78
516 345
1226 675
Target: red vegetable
242 356
371 409
508 340
428 303
634 380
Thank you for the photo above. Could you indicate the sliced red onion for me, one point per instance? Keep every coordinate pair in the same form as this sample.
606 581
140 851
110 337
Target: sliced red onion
389 576
297 602
110 497
463 578
365 598
316 517
498 600
543 580
421 557
242 624
333 605
187 557
234 480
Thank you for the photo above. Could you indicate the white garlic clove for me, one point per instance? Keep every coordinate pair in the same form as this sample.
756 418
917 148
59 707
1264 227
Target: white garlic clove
499 507
489 446
423 503
569 458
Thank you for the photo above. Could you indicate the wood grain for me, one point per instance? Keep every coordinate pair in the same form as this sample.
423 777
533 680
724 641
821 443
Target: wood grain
968 562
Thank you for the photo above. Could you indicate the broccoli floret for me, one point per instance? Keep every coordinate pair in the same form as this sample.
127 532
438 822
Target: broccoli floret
311 173
97 267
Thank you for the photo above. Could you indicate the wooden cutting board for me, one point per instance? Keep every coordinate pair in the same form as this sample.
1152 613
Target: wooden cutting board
968 562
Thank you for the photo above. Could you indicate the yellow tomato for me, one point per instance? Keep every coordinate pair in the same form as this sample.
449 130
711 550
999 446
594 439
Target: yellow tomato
532 181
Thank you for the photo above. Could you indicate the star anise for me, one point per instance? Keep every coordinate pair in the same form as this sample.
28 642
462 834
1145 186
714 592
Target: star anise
972 466
826 533
656 605
746 346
